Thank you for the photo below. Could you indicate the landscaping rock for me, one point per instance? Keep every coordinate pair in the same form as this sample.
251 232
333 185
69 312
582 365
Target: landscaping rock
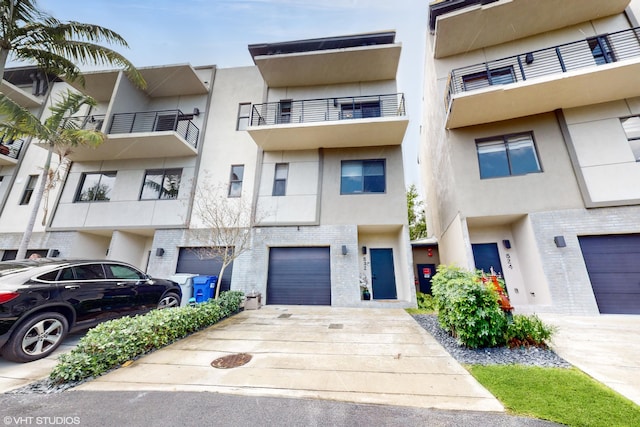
531 356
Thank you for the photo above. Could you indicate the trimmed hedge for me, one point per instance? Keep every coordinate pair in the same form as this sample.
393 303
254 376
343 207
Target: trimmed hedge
114 342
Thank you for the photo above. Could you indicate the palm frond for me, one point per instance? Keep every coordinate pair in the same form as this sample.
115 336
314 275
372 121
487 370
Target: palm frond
18 121
68 105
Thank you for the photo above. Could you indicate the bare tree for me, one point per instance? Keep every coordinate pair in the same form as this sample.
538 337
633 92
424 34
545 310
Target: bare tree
223 224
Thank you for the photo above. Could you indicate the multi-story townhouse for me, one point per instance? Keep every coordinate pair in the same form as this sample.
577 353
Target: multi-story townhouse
309 137
20 168
531 148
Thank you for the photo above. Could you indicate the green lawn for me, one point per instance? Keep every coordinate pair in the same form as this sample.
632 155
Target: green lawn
566 396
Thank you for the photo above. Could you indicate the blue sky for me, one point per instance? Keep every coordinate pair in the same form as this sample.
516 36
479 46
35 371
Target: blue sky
207 32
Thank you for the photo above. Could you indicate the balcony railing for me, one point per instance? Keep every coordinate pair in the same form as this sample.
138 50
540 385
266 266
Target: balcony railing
156 121
590 52
11 147
327 109
92 122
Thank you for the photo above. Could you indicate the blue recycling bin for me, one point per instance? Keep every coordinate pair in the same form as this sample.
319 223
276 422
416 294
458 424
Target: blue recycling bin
204 287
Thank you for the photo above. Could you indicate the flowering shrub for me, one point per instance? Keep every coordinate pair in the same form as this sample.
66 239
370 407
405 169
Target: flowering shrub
470 307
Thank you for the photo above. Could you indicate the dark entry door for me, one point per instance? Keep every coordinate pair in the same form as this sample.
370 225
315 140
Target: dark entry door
383 277
486 256
425 273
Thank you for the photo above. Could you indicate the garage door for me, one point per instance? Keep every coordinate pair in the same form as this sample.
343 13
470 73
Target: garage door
613 264
299 276
189 261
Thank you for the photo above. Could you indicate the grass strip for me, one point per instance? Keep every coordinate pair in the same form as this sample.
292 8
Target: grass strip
566 396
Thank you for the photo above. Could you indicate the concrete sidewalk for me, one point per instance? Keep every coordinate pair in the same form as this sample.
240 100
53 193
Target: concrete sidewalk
606 347
363 355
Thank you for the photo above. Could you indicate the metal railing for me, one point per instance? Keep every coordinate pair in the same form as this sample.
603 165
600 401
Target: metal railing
11 147
156 121
91 122
327 109
589 52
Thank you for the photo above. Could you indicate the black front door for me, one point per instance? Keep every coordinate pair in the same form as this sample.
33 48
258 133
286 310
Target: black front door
383 277
487 257
425 273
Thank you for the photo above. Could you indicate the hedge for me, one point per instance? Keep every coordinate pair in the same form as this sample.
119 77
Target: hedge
114 342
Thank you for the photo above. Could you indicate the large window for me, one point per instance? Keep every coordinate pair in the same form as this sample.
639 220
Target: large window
235 180
280 179
28 189
162 184
96 187
244 116
631 126
601 50
499 76
362 176
507 155
360 110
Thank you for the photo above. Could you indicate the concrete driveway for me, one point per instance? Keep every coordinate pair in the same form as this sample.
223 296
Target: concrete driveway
606 347
15 375
363 355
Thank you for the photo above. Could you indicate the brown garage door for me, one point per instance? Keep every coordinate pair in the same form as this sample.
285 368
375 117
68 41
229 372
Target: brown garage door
299 276
613 264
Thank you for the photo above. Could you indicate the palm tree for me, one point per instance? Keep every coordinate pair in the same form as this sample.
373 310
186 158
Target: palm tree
59 133
28 34
31 35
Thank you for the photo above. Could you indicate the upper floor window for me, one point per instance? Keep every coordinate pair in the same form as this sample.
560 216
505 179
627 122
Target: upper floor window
601 50
235 180
507 155
631 126
162 184
244 116
498 76
280 179
28 189
96 187
360 110
362 176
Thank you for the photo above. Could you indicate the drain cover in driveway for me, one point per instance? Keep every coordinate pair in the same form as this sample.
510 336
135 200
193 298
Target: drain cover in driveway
284 316
231 361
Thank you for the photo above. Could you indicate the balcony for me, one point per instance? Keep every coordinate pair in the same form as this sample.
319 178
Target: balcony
330 60
10 151
338 122
591 71
168 133
465 25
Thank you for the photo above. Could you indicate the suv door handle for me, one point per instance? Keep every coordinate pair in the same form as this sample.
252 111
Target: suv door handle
122 283
72 287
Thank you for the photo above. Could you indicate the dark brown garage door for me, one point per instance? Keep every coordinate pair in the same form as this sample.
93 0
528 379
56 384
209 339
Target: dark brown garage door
299 276
190 261
613 263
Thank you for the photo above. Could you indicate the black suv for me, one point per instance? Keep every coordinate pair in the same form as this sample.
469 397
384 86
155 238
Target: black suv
42 300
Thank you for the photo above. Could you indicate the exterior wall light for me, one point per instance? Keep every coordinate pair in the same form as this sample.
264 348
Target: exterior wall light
559 241
344 250
159 251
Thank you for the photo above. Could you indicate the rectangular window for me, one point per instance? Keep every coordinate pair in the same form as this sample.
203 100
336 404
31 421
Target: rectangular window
244 116
28 189
507 155
161 184
360 110
362 176
601 50
235 181
499 76
96 187
280 179
631 126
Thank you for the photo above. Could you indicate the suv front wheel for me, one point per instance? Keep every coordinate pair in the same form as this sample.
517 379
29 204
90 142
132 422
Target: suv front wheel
36 338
